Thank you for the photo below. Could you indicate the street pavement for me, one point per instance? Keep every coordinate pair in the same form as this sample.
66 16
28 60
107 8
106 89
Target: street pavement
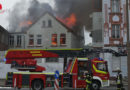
105 88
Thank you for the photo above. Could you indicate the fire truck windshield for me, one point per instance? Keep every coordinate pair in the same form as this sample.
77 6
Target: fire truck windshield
102 66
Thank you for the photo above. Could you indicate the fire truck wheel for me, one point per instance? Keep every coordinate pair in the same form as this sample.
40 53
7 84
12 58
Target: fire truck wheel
96 85
37 85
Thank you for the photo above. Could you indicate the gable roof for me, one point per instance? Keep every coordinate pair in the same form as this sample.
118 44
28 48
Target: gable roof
68 29
3 29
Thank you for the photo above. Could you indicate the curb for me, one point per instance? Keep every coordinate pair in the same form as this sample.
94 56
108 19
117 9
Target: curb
6 87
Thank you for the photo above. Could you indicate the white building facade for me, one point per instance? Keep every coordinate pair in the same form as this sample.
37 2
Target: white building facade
115 33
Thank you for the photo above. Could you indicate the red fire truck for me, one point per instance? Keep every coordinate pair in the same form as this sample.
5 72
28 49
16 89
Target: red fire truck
72 77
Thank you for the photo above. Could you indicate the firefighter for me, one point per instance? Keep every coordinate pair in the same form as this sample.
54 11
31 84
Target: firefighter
88 79
119 81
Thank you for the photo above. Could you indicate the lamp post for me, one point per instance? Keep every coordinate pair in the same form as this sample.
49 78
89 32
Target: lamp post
128 43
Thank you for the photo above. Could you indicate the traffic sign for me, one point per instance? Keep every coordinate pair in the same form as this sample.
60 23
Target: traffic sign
57 74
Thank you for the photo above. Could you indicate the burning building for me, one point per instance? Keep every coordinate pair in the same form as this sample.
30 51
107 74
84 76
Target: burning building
49 32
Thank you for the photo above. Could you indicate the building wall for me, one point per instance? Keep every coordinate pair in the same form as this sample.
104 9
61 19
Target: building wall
47 32
73 40
115 63
14 44
111 18
3 39
115 20
3 43
97 32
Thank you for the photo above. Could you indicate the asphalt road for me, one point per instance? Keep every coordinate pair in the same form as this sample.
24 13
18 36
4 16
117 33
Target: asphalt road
105 88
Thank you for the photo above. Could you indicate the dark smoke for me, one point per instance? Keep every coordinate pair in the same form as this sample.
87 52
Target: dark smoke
34 11
63 8
82 8
37 9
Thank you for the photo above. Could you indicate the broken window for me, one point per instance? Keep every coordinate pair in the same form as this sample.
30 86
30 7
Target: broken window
49 23
115 31
11 40
62 39
31 39
54 40
115 6
39 39
19 40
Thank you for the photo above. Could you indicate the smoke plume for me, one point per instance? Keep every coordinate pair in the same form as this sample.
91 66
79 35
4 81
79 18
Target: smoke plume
24 15
81 8
20 17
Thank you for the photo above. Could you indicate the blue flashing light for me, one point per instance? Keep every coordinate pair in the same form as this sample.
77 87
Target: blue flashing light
4 59
100 58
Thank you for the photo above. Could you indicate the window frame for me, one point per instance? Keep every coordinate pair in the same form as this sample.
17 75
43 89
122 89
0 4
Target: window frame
11 40
115 6
31 37
62 36
39 37
49 23
19 40
43 24
54 41
116 31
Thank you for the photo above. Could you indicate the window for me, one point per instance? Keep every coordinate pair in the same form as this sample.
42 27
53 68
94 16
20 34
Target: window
39 39
52 60
62 39
115 6
31 39
11 40
49 23
102 66
43 24
54 40
19 40
115 31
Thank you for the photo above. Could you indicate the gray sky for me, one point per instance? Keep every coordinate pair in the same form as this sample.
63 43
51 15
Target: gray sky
8 5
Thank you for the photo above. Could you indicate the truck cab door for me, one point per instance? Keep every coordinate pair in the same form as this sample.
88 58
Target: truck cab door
82 67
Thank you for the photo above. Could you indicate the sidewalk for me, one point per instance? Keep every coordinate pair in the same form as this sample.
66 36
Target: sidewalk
2 82
113 81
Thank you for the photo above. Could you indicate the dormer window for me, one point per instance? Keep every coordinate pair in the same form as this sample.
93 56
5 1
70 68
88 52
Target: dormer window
46 24
43 24
49 23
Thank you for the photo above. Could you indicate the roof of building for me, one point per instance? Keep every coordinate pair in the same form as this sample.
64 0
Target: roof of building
69 29
3 29
17 32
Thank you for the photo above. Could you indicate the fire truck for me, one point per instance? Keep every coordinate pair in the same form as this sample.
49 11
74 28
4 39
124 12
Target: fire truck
33 76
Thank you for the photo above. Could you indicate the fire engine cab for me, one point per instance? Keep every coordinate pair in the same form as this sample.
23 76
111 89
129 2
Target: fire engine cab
72 77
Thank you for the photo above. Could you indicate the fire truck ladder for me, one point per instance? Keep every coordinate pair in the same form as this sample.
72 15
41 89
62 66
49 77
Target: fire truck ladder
22 55
84 52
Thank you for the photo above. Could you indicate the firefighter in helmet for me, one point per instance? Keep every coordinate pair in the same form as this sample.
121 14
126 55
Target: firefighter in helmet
88 79
119 81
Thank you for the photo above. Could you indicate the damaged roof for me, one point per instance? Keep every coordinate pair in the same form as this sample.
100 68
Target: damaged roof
68 29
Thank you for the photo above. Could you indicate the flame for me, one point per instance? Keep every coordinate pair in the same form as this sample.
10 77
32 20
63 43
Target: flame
25 23
69 21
